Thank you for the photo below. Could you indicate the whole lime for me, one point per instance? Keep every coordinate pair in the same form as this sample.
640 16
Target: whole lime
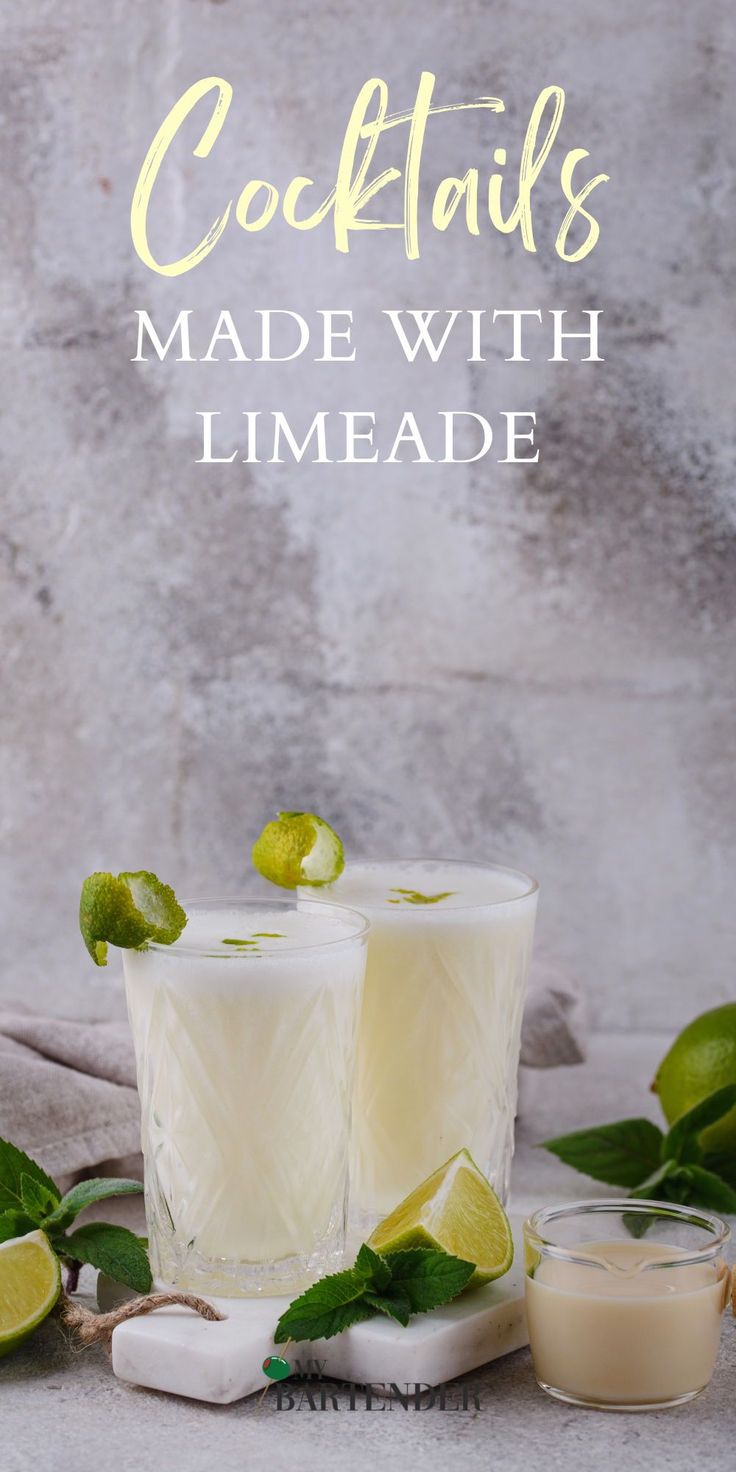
701 1059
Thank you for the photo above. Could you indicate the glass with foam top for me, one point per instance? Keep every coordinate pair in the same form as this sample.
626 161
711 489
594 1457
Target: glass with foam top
244 1035
440 1026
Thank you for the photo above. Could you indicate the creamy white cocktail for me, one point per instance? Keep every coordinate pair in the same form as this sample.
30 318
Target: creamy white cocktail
244 1034
440 1027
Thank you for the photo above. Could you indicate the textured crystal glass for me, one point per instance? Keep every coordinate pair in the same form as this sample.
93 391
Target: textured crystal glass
245 1034
440 1027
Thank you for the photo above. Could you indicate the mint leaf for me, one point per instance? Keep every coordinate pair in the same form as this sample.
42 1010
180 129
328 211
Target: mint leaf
85 1193
688 1152
114 1250
707 1112
394 1303
723 1164
679 1184
15 1224
710 1191
14 1164
374 1269
37 1199
325 1309
638 1223
620 1154
646 1191
428 1277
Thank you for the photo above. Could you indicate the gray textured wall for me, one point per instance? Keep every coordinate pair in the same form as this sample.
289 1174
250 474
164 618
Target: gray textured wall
533 664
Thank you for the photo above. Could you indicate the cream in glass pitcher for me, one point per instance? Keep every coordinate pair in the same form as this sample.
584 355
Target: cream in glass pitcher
619 1320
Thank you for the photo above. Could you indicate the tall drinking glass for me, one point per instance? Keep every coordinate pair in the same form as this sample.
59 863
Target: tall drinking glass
440 1027
244 1035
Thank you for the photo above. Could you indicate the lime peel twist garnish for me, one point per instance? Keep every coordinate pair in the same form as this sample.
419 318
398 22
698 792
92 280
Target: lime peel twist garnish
127 910
299 848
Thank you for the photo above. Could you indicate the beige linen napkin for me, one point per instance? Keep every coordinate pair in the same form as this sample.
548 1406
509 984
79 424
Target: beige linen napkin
67 1093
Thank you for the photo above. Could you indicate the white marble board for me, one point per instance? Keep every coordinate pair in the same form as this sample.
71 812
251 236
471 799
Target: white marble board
174 1350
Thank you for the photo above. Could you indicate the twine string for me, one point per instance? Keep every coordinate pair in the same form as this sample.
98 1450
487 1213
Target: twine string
91 1328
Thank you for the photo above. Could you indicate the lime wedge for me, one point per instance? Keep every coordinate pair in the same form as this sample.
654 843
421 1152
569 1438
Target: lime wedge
457 1210
127 910
298 848
30 1283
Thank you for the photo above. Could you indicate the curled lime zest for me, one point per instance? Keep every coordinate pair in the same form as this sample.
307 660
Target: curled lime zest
252 942
415 897
127 910
298 848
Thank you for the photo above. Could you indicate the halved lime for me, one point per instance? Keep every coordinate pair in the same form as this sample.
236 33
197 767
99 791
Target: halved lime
298 848
30 1283
457 1210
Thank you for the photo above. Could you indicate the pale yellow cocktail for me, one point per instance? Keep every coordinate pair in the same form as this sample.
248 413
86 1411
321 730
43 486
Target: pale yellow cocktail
440 1025
244 1033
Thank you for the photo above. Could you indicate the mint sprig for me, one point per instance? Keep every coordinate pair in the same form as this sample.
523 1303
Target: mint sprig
647 1162
398 1285
30 1199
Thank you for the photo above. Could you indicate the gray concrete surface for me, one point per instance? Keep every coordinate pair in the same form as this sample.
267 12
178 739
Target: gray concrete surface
63 1410
532 664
